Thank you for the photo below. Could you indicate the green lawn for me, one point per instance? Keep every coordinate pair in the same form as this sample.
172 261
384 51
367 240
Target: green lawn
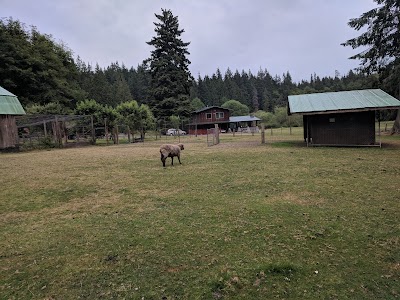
239 220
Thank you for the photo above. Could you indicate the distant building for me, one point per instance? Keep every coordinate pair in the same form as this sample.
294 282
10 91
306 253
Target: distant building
243 122
10 107
341 118
207 117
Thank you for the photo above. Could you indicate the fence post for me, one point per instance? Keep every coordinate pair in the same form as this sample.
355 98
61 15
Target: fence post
93 133
116 134
64 132
262 134
106 129
216 133
45 129
58 130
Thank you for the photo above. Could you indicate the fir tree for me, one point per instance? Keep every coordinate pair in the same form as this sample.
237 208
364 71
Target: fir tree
168 65
254 99
382 39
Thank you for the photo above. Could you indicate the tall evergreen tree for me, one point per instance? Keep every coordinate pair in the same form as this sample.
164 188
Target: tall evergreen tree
121 91
169 67
101 90
139 83
254 100
382 39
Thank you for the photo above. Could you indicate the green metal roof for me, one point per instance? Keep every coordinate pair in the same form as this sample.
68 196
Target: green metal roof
359 100
9 103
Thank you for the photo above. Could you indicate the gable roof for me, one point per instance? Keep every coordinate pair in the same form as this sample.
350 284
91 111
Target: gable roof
358 100
9 103
209 107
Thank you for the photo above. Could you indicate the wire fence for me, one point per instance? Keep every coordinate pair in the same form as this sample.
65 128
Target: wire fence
36 131
41 131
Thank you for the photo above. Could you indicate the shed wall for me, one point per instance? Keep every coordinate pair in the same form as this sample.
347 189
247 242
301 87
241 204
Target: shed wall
8 132
356 128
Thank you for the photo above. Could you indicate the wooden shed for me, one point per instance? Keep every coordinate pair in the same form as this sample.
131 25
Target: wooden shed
10 107
341 118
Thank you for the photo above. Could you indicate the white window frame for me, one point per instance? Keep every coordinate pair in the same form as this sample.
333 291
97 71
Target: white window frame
219 115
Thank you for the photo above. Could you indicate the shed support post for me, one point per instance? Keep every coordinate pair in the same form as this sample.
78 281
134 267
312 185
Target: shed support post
307 131
379 129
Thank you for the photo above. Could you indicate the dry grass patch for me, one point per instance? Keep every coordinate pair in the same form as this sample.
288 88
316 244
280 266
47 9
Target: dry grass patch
300 198
239 220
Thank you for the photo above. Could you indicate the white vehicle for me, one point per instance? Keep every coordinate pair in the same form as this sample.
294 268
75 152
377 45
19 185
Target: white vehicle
173 131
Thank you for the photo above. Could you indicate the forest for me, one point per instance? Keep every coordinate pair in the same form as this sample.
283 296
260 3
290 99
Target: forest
260 91
49 79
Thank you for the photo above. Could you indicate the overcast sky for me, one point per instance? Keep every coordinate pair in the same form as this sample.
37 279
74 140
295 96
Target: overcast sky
299 36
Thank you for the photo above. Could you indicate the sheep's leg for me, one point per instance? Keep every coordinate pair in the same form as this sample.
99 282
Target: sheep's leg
172 160
179 158
163 159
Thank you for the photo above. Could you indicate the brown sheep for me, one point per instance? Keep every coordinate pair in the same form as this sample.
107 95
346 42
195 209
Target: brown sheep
169 150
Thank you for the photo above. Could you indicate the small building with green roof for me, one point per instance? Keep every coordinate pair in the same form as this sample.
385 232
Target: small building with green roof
10 107
341 118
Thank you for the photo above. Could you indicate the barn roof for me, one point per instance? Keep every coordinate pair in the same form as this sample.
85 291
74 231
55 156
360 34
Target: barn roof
9 103
358 100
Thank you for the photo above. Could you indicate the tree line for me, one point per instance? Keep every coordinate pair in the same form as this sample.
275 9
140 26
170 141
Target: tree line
258 92
46 77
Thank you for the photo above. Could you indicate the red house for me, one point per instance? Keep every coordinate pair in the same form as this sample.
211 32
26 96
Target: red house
207 117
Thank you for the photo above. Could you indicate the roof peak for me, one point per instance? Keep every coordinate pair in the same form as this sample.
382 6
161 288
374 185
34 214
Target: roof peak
4 92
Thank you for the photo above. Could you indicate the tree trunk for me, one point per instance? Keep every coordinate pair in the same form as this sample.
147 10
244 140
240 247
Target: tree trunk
142 134
129 135
396 125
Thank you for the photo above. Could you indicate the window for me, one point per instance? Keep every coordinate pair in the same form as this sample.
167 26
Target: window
208 116
219 115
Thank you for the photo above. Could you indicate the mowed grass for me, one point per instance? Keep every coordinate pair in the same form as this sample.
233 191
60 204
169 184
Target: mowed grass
239 220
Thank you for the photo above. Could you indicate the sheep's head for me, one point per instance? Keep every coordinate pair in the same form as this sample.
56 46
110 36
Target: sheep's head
181 146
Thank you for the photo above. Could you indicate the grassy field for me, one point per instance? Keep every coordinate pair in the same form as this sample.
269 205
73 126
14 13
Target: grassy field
238 220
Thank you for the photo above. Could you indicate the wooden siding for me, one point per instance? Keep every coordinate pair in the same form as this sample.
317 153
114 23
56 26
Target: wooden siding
357 128
8 132
201 117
